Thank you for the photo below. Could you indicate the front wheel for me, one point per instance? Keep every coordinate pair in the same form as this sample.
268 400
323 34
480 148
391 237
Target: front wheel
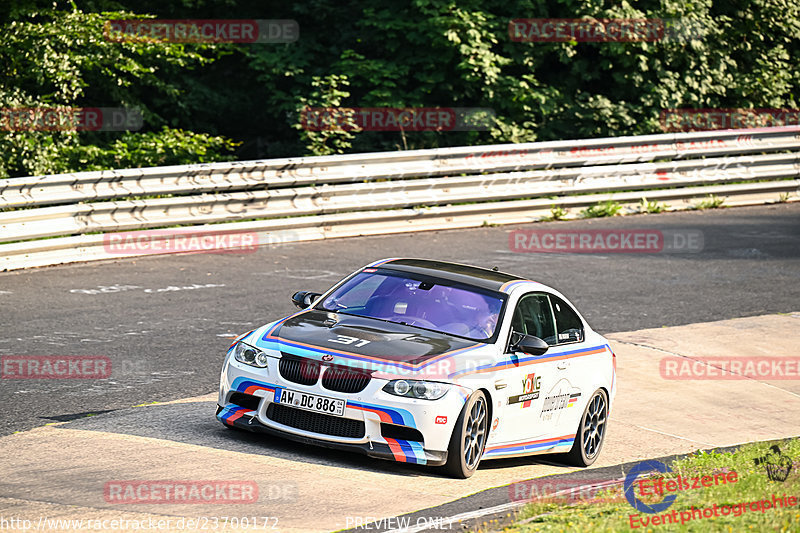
591 431
469 438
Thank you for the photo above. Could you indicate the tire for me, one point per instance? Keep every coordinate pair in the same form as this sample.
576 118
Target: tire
591 431
469 438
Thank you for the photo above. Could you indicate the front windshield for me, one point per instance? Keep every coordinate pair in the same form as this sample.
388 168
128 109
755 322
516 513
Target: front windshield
428 304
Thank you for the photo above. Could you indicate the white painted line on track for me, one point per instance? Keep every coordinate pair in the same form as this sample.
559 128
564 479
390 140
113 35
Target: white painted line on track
461 517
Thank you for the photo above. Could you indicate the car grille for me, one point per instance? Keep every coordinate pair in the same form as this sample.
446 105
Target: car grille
342 379
300 371
334 426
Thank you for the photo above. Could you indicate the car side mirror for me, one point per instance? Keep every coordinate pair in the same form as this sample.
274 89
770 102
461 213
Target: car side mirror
303 299
531 345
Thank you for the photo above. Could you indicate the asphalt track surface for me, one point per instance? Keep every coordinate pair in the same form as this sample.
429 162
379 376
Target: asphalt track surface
60 471
166 321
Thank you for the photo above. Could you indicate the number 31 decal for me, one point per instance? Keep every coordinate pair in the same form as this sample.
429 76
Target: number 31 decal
355 341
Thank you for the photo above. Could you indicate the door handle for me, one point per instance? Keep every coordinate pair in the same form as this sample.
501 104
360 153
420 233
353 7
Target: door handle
562 365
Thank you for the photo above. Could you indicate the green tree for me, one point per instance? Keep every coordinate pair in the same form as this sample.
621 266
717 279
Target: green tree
422 53
61 59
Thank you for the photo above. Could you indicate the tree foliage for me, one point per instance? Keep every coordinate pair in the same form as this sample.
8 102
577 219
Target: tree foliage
205 102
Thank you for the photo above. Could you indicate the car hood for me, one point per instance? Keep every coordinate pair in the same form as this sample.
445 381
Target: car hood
360 341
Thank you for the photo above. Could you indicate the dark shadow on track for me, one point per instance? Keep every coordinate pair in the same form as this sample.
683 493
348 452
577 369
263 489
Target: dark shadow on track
194 423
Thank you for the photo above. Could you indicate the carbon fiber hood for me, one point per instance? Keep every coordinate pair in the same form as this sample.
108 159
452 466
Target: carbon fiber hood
337 332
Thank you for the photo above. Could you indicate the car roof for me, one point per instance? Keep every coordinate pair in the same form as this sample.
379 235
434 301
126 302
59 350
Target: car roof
470 275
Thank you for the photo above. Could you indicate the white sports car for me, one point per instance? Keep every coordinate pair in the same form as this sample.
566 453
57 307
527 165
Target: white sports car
430 363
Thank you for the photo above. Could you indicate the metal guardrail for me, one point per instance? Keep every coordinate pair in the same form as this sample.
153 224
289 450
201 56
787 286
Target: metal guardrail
352 190
295 172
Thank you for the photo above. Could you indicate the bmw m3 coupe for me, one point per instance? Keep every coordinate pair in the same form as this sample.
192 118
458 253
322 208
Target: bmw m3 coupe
426 362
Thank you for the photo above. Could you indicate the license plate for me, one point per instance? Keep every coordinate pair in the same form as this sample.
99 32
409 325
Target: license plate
310 402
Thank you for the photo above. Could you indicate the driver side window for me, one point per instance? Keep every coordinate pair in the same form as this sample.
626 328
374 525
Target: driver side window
534 317
570 327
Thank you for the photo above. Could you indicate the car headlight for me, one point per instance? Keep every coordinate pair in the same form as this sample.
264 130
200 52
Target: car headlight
412 388
250 355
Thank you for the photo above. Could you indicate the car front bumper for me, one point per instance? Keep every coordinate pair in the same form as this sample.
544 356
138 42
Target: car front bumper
242 418
389 427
